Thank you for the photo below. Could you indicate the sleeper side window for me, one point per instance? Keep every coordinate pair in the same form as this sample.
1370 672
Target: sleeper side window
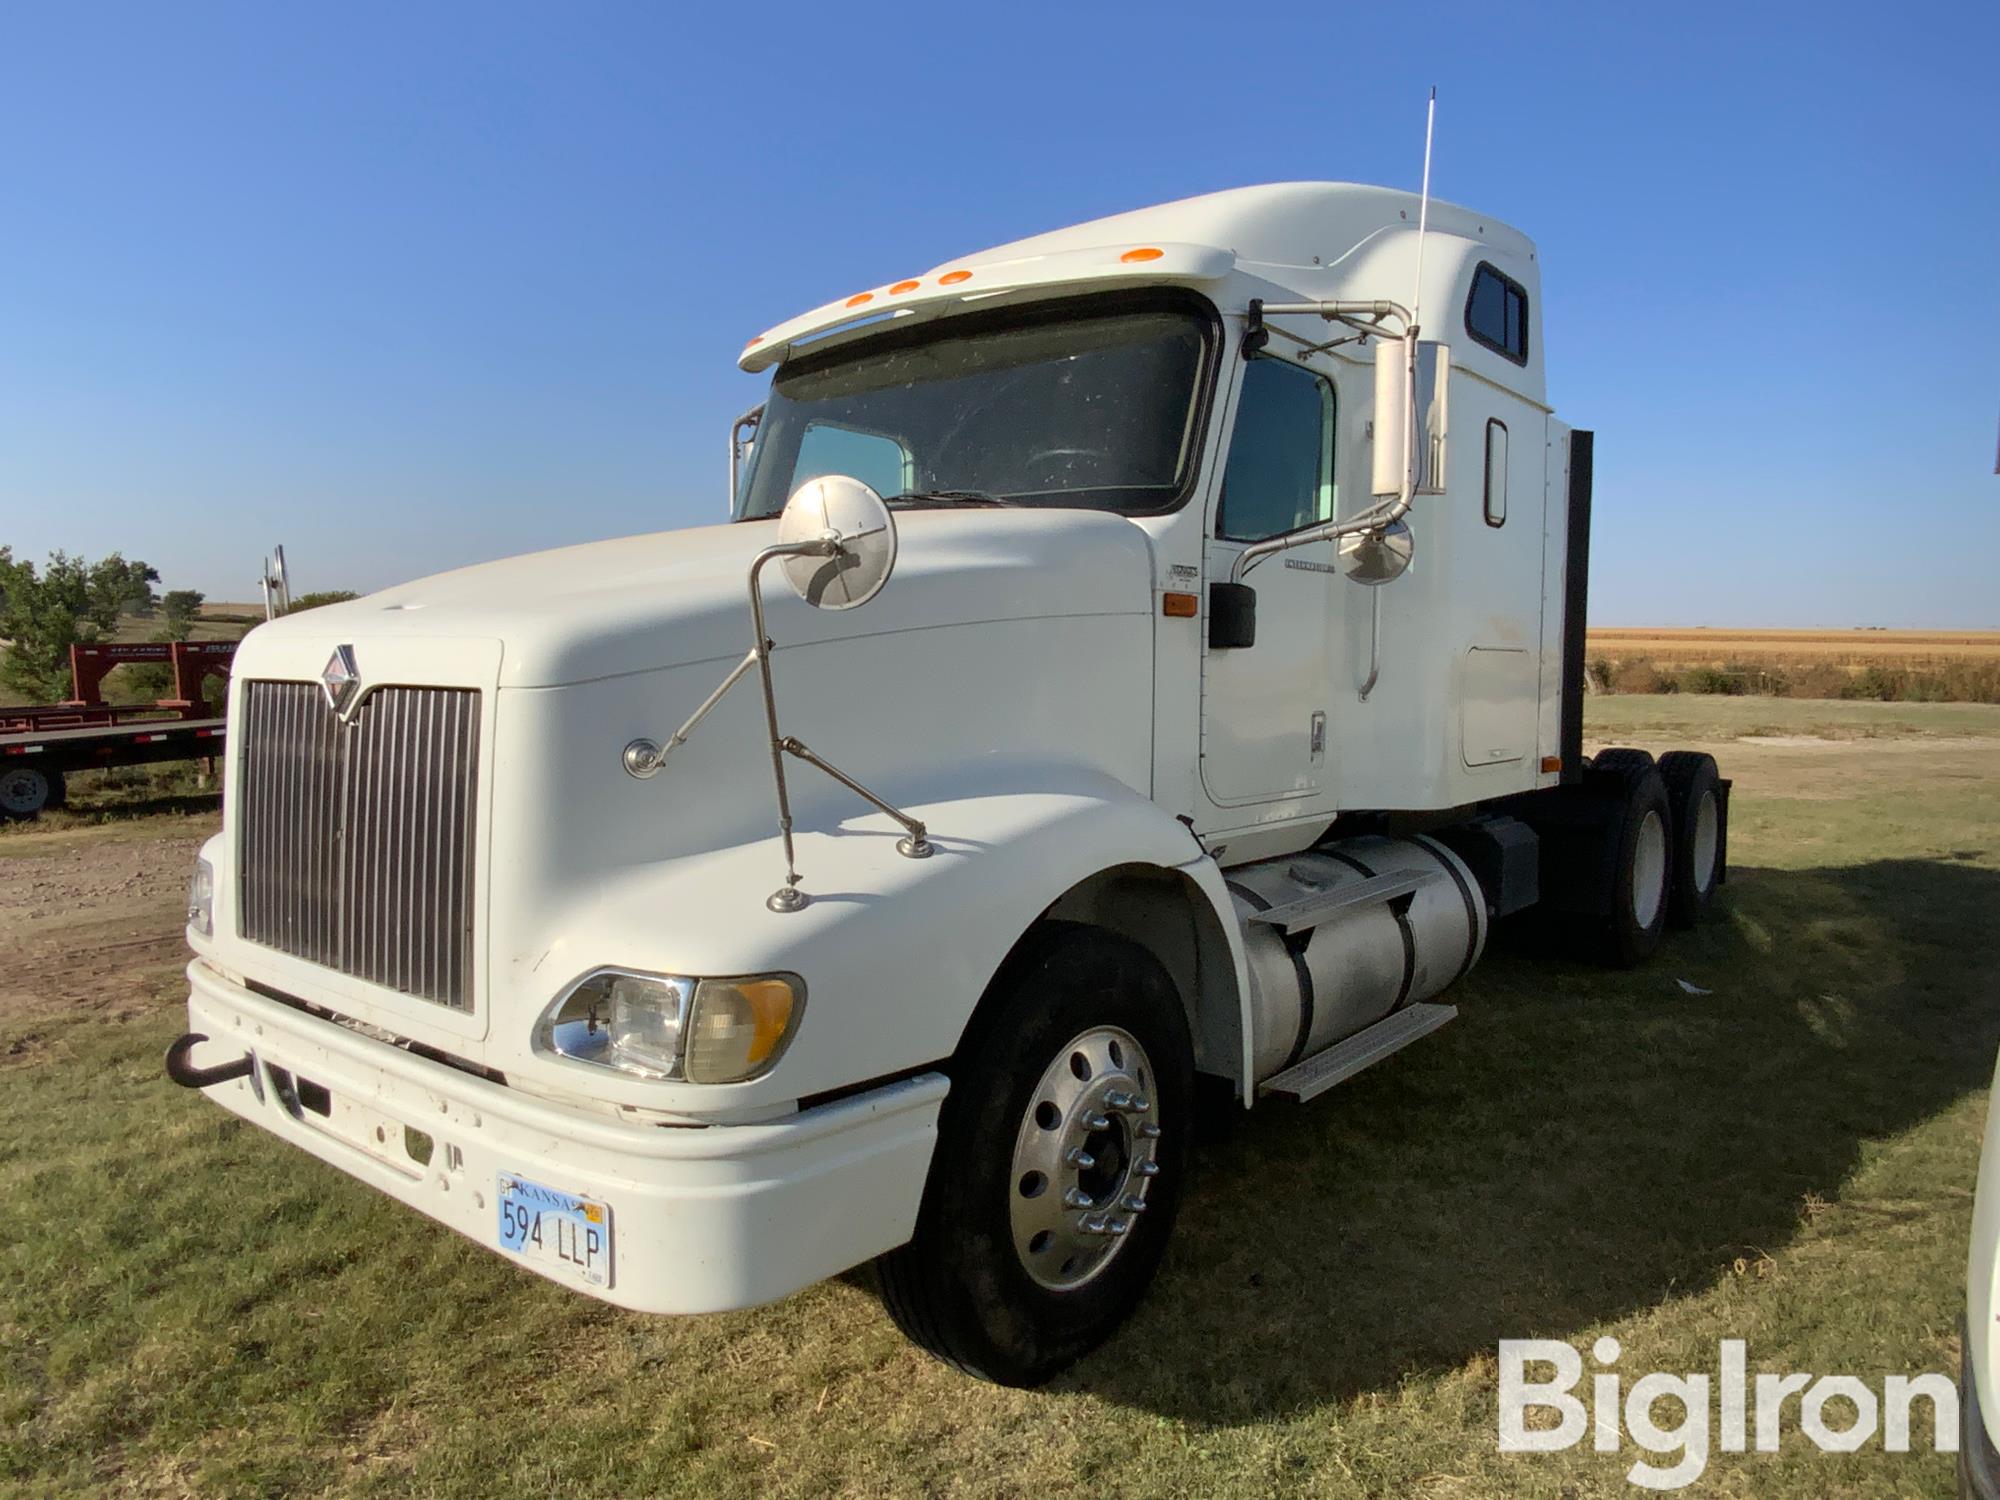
1496 313
1280 471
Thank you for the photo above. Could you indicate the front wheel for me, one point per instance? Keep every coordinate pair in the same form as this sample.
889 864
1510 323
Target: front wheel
1060 1155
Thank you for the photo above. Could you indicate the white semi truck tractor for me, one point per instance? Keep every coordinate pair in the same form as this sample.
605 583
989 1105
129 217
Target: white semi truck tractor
1140 660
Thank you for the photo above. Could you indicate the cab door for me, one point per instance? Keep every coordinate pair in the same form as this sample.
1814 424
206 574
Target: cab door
1264 706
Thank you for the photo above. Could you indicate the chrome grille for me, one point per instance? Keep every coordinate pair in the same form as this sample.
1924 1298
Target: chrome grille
357 837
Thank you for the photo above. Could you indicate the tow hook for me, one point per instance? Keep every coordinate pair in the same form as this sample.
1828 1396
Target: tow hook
188 1076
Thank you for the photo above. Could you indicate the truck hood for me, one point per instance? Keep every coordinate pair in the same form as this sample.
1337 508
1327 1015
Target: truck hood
638 604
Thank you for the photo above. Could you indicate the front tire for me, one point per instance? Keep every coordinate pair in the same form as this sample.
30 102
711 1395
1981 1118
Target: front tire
1060 1157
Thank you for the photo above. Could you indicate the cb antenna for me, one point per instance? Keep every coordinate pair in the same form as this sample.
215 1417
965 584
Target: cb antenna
1423 213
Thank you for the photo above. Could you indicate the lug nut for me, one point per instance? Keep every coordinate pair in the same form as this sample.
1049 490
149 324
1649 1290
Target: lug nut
1148 1169
1116 1100
1097 1122
1133 1204
1117 1226
1078 1198
1095 1225
1149 1132
1081 1159
1140 1103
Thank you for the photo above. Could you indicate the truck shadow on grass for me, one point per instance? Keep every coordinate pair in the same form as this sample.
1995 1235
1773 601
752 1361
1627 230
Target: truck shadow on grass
1580 1145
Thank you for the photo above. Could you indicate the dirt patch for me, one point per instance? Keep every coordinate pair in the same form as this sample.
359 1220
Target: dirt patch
91 920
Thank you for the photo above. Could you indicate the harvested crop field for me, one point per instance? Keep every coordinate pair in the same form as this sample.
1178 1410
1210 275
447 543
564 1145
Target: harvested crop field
1923 666
1846 647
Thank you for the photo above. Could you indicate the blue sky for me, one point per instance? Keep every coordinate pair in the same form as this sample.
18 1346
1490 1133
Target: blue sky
410 286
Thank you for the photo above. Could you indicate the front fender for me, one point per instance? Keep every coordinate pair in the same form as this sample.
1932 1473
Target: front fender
895 952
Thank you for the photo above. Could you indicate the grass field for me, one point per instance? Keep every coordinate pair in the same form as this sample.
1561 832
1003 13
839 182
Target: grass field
187 1306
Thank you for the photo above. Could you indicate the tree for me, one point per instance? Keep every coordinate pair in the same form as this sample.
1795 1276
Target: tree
323 596
117 587
178 607
44 613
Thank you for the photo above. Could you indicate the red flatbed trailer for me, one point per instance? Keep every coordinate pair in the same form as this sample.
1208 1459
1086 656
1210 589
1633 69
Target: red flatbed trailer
40 745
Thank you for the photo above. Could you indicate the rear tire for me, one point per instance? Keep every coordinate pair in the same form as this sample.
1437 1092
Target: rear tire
25 791
1701 833
1639 821
1079 1050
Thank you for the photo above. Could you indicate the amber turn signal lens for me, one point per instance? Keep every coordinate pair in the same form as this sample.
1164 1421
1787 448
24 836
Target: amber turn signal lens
953 278
1132 257
904 286
860 297
1552 762
739 1027
1180 606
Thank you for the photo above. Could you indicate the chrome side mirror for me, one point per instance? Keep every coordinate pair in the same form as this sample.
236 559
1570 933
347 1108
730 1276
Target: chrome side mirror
851 516
1426 421
1376 557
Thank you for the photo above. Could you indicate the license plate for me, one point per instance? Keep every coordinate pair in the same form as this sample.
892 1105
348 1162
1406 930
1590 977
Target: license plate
556 1230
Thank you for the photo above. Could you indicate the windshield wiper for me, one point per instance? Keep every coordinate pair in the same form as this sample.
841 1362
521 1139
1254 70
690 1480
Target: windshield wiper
945 497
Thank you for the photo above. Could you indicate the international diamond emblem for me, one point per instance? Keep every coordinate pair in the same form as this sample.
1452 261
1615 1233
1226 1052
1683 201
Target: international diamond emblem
341 679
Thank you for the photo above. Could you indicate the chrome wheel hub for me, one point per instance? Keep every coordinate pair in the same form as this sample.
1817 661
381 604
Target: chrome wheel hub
1649 870
1707 841
1084 1158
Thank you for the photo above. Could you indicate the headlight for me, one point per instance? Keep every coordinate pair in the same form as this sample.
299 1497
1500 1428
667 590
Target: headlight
201 899
667 1026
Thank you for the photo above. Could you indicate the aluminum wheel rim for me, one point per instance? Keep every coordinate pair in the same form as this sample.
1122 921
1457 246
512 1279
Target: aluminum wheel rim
1649 869
23 790
1085 1157
1707 838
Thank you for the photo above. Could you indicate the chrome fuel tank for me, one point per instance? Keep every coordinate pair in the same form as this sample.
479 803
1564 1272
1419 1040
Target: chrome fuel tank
1339 937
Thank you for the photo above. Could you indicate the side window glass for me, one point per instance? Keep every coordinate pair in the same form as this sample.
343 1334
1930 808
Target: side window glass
1496 313
878 462
1280 471
1496 472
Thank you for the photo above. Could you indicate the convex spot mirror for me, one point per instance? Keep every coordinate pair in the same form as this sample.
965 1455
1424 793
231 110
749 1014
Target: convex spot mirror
1377 556
862 535
1392 387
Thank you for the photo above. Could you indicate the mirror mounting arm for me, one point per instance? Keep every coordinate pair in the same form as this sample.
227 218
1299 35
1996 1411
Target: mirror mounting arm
915 845
1380 517
788 897
643 758
1367 319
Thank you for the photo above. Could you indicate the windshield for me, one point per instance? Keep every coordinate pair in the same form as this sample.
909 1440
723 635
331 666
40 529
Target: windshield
1099 411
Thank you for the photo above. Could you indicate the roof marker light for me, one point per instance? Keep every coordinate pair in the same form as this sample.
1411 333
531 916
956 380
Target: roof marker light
860 297
1147 252
904 286
953 278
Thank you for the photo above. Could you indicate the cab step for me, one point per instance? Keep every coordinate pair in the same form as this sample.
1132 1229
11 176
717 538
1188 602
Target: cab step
1324 906
1341 1061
